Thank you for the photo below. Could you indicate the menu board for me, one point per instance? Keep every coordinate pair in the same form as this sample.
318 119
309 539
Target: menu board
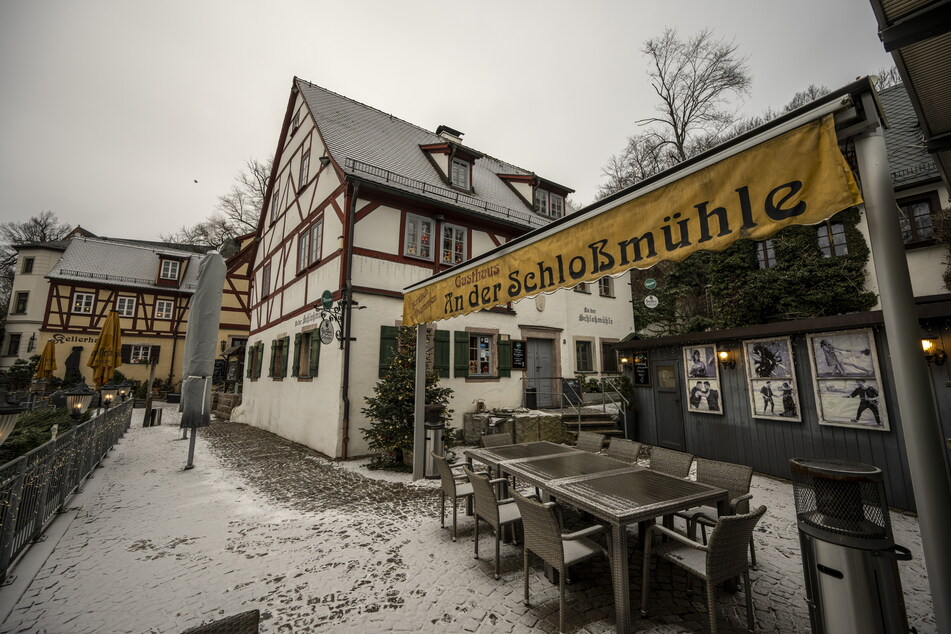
642 370
518 354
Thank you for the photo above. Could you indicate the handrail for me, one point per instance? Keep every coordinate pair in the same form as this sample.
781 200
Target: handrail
561 396
35 486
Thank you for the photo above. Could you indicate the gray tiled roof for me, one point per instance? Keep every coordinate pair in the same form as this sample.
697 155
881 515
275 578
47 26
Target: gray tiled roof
908 160
358 134
119 264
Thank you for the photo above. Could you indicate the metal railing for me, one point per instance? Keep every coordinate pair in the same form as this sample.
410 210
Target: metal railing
35 486
116 278
570 395
444 193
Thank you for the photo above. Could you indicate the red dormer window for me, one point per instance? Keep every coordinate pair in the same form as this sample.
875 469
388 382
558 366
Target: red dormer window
461 174
548 203
170 270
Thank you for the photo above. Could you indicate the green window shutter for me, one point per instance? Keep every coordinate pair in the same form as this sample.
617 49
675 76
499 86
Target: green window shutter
441 361
387 347
285 349
505 357
250 361
296 365
461 352
314 353
258 359
270 365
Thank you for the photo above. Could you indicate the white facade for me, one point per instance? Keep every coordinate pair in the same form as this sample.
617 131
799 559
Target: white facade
22 328
386 259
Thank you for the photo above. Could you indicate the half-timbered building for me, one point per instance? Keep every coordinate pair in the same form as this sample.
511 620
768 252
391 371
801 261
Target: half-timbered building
362 204
74 284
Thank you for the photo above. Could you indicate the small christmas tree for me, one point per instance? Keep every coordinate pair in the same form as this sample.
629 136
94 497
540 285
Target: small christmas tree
391 410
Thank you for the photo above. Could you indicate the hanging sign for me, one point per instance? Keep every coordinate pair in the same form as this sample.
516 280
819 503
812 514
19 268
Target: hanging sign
327 300
796 178
651 301
650 283
518 354
327 331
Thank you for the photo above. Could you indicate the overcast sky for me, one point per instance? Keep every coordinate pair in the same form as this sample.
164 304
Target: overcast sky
110 110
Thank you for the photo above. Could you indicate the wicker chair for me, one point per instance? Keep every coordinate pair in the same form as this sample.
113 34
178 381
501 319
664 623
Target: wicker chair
624 450
735 478
722 559
454 486
589 441
243 623
673 463
498 513
543 536
496 440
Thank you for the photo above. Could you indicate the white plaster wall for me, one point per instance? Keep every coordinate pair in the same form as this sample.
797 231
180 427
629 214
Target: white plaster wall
36 284
481 242
442 161
379 230
394 276
304 411
525 190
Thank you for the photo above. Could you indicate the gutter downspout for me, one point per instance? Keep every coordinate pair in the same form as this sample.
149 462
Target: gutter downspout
347 300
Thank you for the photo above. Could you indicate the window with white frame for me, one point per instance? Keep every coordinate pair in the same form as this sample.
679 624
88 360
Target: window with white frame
303 250
765 254
549 203
584 359
418 241
304 170
832 239
19 305
309 245
140 354
265 280
163 308
581 287
453 244
125 306
606 286
170 269
481 355
275 205
460 173
83 302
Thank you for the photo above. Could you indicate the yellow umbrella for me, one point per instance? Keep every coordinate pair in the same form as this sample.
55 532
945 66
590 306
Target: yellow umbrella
107 353
47 362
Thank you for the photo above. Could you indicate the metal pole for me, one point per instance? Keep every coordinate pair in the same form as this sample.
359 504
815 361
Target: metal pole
920 427
419 431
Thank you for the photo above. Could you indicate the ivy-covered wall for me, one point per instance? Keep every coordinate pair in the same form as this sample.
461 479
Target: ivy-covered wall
713 291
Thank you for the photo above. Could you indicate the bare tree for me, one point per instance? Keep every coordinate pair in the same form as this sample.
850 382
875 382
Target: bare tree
887 77
804 97
45 227
236 212
695 80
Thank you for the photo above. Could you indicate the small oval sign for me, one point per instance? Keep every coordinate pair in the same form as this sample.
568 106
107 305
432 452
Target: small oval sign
651 301
327 331
650 283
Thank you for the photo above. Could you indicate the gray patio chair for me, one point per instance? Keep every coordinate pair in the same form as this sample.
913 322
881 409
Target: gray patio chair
736 479
243 623
497 513
589 441
624 450
673 463
454 486
544 537
722 559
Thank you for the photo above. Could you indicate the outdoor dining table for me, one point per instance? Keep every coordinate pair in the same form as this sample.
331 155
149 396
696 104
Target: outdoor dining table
617 493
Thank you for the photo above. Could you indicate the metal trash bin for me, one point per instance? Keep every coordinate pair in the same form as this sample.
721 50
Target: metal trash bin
849 556
531 398
155 417
435 429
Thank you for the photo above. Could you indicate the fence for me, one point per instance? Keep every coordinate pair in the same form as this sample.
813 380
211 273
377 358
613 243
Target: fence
35 486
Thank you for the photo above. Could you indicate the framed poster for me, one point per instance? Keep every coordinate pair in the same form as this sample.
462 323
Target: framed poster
642 369
703 385
518 354
771 377
846 379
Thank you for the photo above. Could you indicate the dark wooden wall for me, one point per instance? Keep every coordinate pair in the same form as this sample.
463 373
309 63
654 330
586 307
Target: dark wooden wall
768 445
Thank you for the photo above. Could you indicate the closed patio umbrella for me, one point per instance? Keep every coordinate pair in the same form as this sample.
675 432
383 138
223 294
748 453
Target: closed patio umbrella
201 342
107 353
47 363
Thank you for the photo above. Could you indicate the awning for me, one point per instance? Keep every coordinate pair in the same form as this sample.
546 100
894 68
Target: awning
788 172
918 35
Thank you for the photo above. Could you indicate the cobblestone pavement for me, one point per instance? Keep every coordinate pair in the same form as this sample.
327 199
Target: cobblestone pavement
264 523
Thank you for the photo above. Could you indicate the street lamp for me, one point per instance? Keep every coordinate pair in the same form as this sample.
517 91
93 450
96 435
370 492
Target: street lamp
78 399
124 390
9 412
107 394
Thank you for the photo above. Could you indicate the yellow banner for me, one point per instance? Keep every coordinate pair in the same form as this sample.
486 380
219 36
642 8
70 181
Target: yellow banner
796 178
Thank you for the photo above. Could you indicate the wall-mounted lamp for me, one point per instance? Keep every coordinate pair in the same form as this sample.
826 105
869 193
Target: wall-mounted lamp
625 361
324 160
727 358
933 354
